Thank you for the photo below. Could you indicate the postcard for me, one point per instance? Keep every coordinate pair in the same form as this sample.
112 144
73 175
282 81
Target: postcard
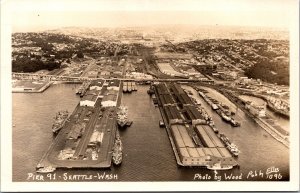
131 95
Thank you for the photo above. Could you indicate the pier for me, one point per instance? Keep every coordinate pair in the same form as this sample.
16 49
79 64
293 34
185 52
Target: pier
74 147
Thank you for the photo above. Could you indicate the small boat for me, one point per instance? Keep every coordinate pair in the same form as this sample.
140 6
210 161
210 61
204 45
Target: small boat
234 123
215 129
161 123
219 166
47 169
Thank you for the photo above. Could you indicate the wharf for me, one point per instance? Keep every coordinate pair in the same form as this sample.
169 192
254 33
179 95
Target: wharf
193 142
77 142
28 86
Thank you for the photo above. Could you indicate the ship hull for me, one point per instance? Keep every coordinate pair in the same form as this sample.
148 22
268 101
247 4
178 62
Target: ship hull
122 124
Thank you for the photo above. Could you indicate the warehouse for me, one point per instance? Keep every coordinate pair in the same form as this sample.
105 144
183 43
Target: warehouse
96 85
208 137
110 99
166 99
181 136
161 89
192 114
172 114
114 85
180 95
90 98
176 89
184 99
196 156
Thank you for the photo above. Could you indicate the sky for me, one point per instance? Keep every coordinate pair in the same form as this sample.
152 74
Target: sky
27 15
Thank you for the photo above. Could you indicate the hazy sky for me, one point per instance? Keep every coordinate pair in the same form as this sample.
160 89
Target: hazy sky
30 15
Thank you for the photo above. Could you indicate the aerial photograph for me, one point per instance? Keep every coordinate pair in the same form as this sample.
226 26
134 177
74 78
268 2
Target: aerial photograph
157 92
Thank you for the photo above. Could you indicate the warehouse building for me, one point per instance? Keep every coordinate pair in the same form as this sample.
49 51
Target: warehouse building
113 85
172 114
207 136
161 89
96 85
193 115
90 98
180 95
110 98
191 155
166 99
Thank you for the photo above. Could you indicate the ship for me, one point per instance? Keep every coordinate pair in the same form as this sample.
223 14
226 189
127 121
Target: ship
225 117
129 87
150 91
47 169
124 87
117 154
122 118
230 146
219 166
59 121
284 112
234 123
82 89
134 88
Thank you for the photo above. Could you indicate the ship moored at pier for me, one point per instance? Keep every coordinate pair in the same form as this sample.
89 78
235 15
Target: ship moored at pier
59 121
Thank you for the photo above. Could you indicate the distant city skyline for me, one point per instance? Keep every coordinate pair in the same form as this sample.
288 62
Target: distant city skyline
32 15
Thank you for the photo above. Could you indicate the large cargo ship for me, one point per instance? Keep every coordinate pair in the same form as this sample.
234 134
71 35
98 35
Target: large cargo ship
117 154
59 121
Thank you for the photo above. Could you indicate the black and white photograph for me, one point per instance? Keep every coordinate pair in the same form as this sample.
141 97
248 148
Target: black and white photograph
149 95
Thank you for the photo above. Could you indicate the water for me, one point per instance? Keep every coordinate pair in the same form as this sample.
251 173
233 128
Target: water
147 154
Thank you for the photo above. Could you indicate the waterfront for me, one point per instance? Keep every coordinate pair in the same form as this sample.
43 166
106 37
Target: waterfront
282 121
148 155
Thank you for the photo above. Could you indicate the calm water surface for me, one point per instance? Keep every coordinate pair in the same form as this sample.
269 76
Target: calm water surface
147 154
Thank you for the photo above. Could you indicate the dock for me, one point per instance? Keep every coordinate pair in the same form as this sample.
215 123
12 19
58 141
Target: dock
87 139
194 142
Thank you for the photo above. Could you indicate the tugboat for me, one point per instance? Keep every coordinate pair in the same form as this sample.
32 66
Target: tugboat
122 118
219 166
117 154
59 121
234 123
161 123
47 169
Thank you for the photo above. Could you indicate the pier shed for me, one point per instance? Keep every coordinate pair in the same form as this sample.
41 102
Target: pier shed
172 114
